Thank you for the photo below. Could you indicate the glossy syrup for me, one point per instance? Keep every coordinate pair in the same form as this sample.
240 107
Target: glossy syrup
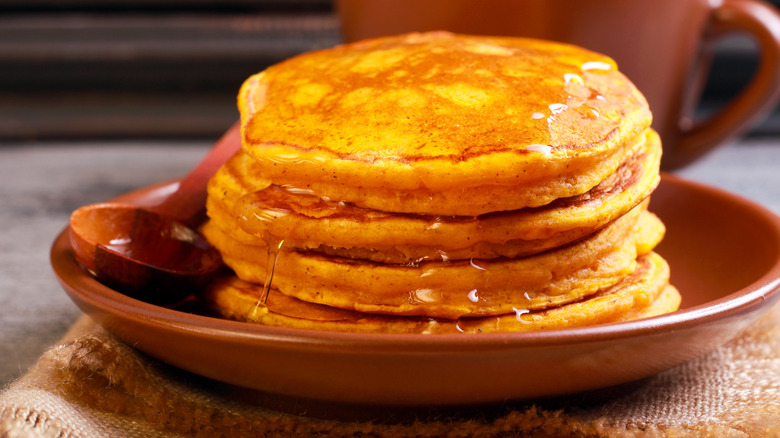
579 98
260 308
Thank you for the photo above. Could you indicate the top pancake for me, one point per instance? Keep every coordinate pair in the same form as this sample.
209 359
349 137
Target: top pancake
437 112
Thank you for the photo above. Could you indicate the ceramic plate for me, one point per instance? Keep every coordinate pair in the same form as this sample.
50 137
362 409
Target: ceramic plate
724 254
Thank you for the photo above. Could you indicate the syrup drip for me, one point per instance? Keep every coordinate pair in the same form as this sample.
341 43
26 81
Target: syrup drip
260 308
596 65
424 296
573 77
519 314
546 150
471 262
556 108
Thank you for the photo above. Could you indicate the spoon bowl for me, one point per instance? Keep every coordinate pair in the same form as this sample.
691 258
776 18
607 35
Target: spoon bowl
153 253
145 255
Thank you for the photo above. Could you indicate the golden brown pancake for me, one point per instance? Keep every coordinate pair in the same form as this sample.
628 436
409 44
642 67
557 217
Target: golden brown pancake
442 124
455 288
306 221
644 293
441 183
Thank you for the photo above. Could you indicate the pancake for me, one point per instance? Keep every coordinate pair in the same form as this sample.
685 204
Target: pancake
455 288
306 221
442 124
644 293
440 183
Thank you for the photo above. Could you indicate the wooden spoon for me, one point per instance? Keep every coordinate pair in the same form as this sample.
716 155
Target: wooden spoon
153 253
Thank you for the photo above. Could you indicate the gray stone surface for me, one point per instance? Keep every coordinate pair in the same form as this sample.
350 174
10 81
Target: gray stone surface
41 185
750 168
43 182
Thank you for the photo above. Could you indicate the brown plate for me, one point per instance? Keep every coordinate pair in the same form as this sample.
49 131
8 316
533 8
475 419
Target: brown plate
724 254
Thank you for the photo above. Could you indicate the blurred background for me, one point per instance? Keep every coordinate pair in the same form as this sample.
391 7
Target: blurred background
142 68
171 68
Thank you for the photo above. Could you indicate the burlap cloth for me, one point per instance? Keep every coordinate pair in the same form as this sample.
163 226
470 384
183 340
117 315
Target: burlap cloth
92 385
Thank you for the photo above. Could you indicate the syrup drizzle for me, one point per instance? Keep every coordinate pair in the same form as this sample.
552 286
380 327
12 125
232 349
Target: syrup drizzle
519 313
260 308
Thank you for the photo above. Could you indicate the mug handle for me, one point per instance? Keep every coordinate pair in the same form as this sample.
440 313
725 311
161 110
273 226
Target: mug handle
756 99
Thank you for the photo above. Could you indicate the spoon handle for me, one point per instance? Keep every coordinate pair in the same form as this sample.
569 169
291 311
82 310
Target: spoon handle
186 204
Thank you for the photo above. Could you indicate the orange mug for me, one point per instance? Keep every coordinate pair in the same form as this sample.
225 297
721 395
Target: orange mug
663 46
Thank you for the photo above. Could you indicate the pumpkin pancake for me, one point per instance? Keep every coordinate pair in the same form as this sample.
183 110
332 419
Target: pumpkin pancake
642 294
440 183
455 288
442 124
306 221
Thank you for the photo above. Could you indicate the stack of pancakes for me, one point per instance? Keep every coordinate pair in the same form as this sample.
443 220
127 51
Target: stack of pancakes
440 183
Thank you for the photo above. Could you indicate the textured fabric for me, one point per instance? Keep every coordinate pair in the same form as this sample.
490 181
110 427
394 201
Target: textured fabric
92 385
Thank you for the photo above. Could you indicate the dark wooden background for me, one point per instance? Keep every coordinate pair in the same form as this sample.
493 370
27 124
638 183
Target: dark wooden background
164 68
135 68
